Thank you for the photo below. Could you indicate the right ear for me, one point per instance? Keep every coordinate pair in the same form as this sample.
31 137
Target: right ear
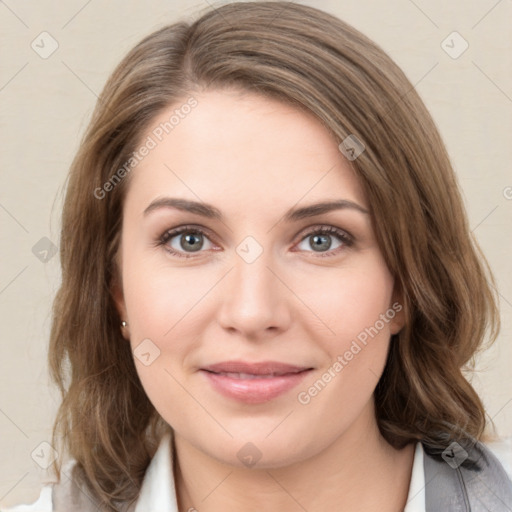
116 289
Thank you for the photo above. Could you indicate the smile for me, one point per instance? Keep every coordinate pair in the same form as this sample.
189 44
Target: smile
253 389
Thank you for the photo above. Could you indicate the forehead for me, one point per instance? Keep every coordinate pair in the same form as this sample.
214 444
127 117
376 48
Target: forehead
241 150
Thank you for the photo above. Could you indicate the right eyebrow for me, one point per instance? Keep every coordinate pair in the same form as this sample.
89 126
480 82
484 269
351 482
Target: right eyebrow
203 209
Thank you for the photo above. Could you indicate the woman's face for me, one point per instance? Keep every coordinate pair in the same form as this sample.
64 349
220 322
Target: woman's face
257 285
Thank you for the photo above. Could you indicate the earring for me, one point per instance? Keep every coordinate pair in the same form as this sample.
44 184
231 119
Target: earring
124 324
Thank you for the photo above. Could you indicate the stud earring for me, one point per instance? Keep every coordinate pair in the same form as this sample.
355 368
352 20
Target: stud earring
124 324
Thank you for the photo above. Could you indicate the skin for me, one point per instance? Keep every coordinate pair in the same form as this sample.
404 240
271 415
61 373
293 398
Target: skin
254 158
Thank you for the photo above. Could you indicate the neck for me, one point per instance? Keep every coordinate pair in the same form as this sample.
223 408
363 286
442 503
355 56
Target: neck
359 471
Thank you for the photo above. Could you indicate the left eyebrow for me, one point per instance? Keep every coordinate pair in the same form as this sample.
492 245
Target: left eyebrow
292 215
324 207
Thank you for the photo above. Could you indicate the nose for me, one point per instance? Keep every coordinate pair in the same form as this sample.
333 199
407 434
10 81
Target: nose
255 300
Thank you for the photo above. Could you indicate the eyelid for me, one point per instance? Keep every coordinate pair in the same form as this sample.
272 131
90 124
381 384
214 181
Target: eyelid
172 232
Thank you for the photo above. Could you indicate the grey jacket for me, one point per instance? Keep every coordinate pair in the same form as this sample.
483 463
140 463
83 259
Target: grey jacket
478 484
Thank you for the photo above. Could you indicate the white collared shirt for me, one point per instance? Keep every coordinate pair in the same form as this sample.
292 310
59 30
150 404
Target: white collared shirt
158 493
416 497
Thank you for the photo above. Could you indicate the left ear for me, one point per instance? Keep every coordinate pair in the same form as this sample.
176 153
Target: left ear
397 305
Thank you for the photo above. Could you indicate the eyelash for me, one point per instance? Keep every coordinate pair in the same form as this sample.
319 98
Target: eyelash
346 239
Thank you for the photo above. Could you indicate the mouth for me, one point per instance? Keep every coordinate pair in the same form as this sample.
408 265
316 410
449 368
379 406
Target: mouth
249 376
254 383
271 368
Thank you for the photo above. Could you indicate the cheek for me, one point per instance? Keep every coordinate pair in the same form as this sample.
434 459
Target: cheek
160 305
355 311
352 327
348 303
159 299
166 316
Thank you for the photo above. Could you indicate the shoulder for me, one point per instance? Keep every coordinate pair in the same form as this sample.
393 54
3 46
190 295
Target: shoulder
464 477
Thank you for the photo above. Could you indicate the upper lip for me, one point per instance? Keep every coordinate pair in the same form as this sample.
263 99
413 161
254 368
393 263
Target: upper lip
257 368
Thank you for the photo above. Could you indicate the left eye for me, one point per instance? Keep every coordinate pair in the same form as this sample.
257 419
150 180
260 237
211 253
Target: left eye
319 238
193 241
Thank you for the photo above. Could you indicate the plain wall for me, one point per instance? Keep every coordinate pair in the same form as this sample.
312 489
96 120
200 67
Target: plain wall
46 104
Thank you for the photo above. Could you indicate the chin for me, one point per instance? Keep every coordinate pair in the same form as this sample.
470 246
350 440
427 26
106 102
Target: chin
257 451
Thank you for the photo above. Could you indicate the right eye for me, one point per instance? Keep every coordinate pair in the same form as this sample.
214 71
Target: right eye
194 240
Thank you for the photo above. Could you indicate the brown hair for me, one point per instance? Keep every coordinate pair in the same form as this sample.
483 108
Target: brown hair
318 63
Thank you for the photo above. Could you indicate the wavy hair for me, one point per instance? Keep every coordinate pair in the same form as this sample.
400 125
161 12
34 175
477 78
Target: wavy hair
317 63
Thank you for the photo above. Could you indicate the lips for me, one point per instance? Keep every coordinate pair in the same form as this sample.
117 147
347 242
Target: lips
254 383
246 369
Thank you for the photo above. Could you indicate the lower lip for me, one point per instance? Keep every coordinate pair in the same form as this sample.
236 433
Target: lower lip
254 391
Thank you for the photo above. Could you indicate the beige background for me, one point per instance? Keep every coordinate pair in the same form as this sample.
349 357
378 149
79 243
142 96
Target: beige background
46 104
